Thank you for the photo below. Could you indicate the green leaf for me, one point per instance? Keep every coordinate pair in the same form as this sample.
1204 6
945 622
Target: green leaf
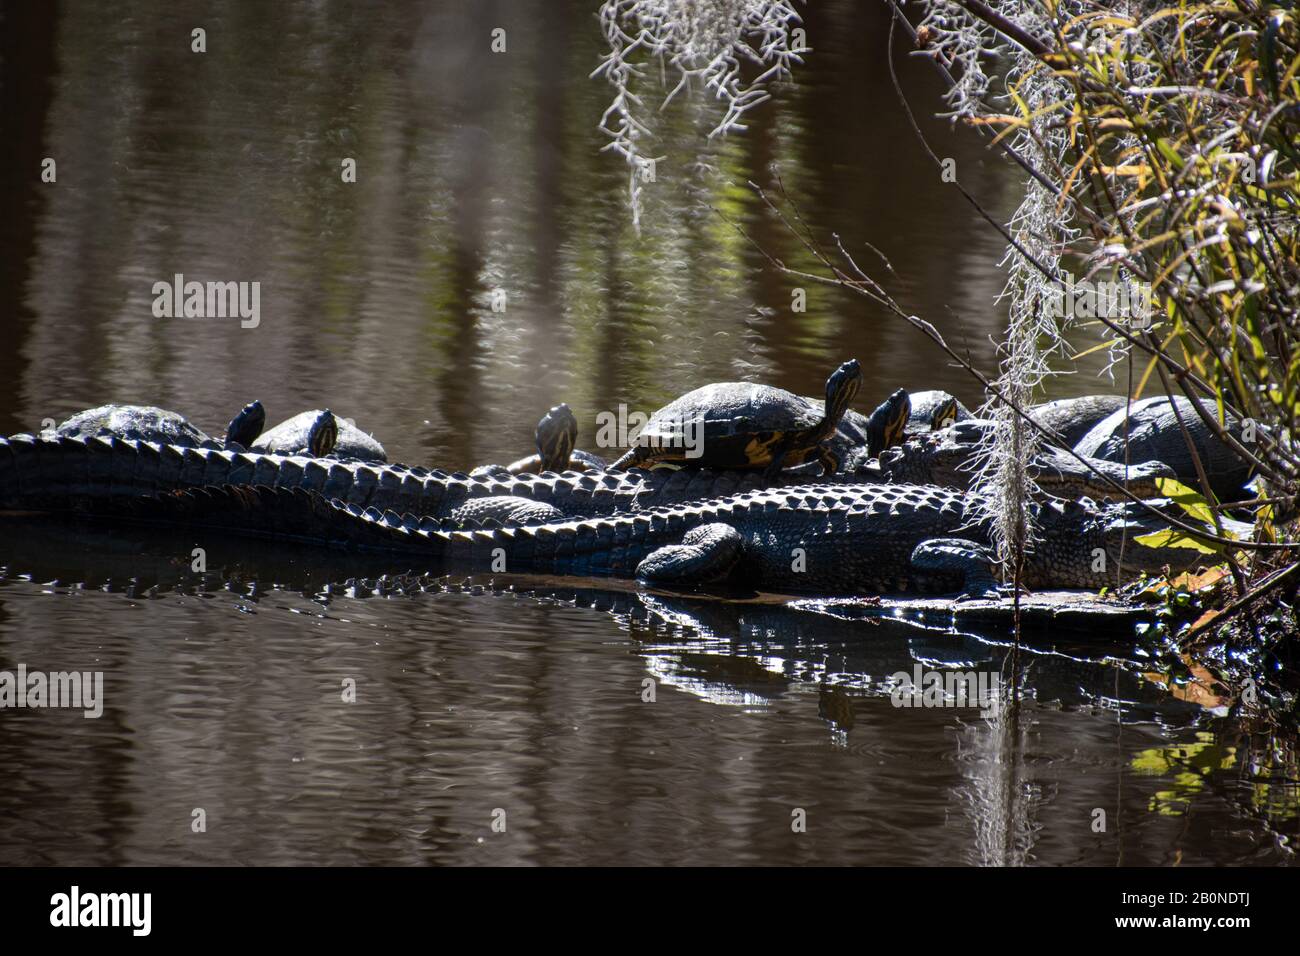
1175 539
1194 504
1169 153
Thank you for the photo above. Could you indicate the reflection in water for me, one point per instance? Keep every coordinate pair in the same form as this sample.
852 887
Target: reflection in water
481 174
998 795
1187 765
223 692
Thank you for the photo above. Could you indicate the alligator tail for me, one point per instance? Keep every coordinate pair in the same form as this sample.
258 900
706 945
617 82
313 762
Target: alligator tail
597 546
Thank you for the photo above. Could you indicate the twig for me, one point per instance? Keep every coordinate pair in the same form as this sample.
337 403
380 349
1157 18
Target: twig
1004 26
1288 573
870 289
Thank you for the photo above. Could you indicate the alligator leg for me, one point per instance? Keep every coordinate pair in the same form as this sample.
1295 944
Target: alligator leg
707 553
959 556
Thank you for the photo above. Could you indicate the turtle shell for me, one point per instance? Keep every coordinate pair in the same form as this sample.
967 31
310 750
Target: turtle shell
736 423
586 461
925 404
137 422
290 438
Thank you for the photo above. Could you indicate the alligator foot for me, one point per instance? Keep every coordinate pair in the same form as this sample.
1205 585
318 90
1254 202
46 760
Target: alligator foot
706 554
984 591
960 556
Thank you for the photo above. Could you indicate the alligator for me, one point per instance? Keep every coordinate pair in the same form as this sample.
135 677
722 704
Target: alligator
1069 419
821 538
72 473
1152 430
947 458
62 473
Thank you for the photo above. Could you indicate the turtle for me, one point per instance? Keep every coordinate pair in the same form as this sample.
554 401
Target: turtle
742 425
887 425
294 436
933 410
1069 419
151 423
319 430
246 426
1149 430
859 438
556 433
314 433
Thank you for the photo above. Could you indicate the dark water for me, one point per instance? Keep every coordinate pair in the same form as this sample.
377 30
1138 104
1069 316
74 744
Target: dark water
477 172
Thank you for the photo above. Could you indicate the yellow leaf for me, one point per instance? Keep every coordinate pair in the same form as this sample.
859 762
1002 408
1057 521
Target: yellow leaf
1174 539
1096 348
1194 583
1204 689
1187 499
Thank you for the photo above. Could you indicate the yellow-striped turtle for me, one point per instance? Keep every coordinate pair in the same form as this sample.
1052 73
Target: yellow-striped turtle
301 435
313 433
151 423
556 434
860 438
934 410
741 425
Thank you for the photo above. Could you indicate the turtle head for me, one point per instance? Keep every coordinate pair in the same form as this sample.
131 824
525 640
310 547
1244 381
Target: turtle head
247 425
323 435
945 414
841 387
886 425
556 435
